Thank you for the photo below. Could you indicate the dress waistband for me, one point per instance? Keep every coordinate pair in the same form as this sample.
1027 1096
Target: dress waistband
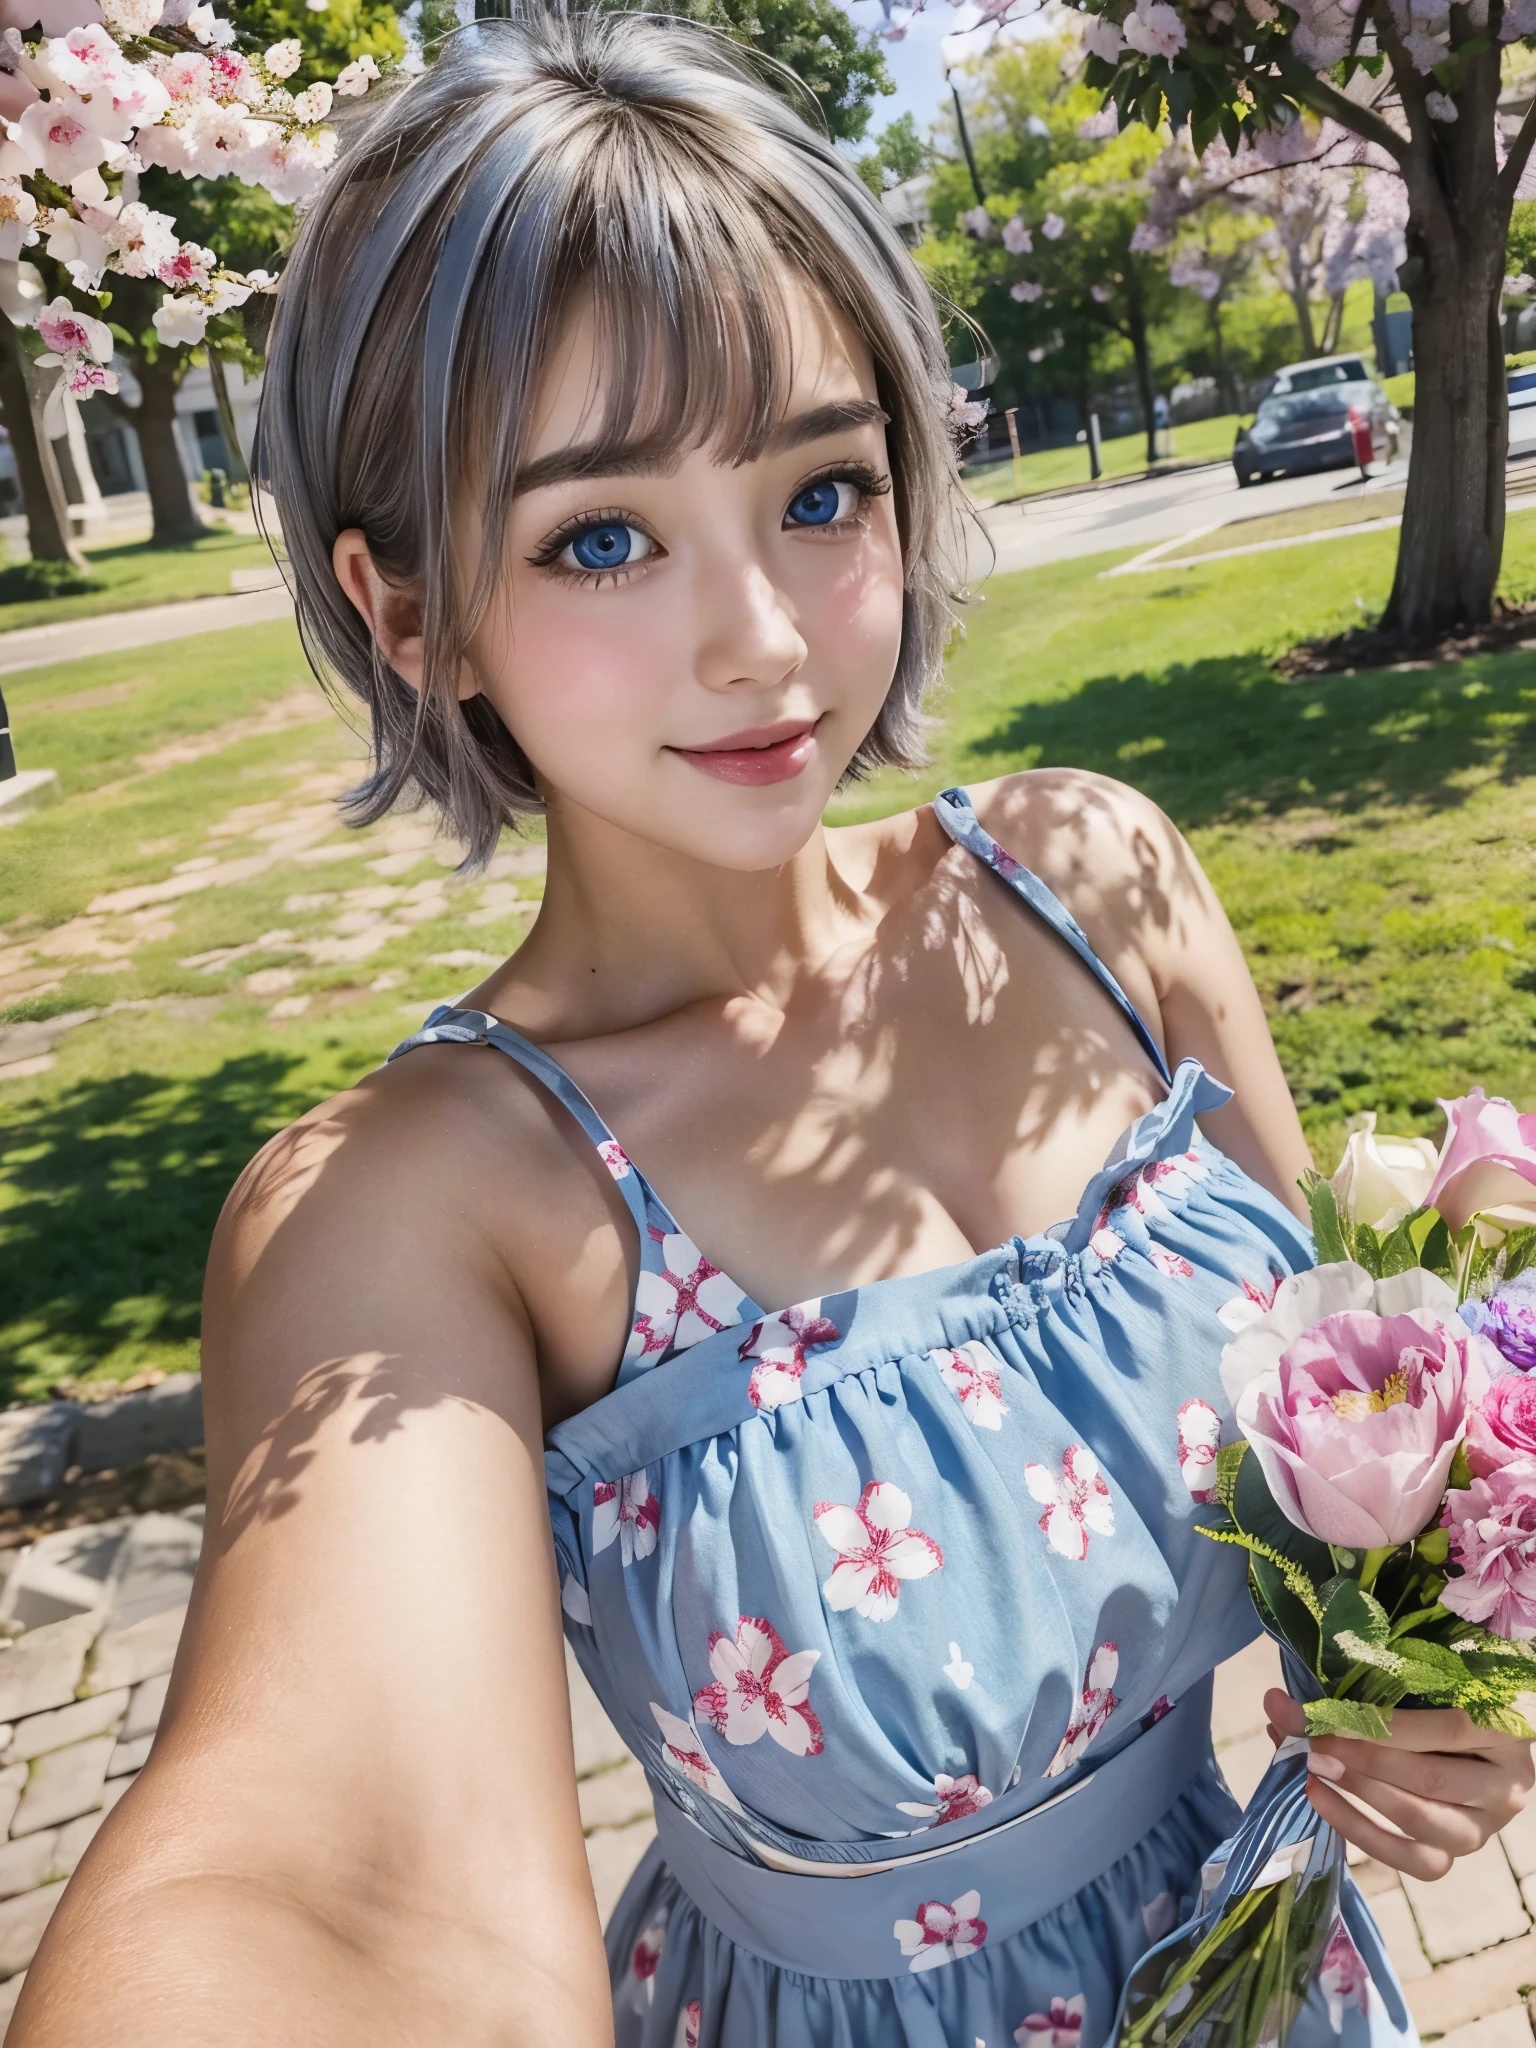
985 1889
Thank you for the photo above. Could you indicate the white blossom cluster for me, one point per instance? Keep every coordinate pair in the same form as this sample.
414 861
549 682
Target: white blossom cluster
94 99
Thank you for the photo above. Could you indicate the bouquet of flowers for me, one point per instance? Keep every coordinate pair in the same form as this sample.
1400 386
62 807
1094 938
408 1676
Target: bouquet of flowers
1383 1483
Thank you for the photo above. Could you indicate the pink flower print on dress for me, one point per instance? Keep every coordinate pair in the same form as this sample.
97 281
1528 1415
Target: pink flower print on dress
1256 1299
779 1344
1160 1706
958 1799
1061 2027
686 1754
612 1154
629 1511
687 1301
1076 1501
689 2021
1199 1441
1172 1265
1095 1705
876 1550
971 1375
1343 1977
760 1689
942 1934
644 1957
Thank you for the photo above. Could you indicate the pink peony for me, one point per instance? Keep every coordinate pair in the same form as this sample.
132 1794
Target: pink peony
1353 1394
1493 1539
1501 1429
1487 1163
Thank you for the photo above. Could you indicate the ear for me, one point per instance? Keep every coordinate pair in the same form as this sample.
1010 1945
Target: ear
392 612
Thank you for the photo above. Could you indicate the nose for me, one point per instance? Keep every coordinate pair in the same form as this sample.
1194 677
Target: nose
750 632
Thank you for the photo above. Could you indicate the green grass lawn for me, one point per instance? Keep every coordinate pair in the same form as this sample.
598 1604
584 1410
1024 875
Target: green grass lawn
1370 835
135 573
1265 526
1126 455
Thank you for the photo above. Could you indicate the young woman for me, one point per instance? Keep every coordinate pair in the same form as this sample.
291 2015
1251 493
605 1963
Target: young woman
703 1273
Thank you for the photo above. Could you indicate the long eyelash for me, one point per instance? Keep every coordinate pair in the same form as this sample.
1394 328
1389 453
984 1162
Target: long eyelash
868 482
549 549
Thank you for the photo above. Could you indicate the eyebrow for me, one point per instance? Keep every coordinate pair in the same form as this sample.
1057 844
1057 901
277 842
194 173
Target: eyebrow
654 456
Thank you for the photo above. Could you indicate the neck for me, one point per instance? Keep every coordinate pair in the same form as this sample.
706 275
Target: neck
630 931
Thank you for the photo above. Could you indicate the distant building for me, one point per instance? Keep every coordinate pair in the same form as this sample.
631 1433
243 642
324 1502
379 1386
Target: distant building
907 206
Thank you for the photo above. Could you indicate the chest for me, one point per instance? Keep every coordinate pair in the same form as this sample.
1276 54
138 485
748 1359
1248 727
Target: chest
954 1083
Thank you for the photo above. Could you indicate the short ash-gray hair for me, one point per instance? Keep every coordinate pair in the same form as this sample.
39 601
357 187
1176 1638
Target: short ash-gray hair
642 162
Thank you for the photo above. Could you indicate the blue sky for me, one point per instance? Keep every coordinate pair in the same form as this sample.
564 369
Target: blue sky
934 36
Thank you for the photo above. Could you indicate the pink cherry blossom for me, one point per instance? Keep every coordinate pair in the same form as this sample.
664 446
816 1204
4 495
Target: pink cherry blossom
971 1375
1077 1500
685 1753
1155 29
954 1799
876 1550
1061 2027
779 1344
1096 1703
1016 237
760 1688
1103 38
942 1933
1053 227
1025 290
628 1511
1493 1542
1343 1977
1199 1441
687 1301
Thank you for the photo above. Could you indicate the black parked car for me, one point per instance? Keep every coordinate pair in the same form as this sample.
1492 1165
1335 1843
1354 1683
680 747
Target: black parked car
1329 428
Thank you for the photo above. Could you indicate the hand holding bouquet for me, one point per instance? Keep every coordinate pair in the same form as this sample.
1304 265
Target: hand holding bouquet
1383 1483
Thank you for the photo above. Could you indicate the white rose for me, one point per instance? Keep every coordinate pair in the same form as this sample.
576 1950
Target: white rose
1382 1180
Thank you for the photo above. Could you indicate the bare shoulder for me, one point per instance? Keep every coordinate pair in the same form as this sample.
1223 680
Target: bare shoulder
1118 862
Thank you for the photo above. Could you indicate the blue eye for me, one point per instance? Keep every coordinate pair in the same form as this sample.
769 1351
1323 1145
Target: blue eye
607 544
823 503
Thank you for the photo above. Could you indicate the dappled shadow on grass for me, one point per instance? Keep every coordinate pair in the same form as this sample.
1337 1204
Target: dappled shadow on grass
113 1189
1227 737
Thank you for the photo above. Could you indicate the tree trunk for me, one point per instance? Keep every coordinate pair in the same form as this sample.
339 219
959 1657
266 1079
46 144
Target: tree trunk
175 512
37 471
1296 291
1136 328
237 469
1453 516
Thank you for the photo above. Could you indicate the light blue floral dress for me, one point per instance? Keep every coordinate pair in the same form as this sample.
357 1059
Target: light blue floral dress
898 1597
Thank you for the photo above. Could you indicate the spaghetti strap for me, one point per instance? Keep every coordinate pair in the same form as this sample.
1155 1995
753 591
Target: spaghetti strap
954 811
451 1025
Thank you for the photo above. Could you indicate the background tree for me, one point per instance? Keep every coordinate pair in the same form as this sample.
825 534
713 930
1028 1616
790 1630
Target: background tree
899 153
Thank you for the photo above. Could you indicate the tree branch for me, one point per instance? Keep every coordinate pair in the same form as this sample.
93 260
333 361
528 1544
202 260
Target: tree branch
1323 98
1519 156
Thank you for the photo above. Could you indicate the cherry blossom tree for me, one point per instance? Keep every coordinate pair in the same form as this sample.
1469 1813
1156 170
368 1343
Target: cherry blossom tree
92 103
1419 80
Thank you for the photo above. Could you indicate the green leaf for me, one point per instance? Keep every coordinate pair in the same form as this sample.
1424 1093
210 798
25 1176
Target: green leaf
1328 1228
1348 1717
1255 1511
1350 1609
1519 1250
1435 1249
1368 1250
1399 1254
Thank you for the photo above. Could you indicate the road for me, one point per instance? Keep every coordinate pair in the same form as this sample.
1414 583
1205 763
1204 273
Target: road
1139 515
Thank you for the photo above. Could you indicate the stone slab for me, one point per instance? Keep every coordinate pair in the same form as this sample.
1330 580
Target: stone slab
69 1572
42 1732
10 1991
1473 1987
1510 2027
130 1756
146 1703
1399 1931
22 1921
113 1434
72 1840
42 1669
27 1862
125 1656
1519 1840
13 1782
32 789
155 1568
1244 1763
1475 1905
63 1784
35 1450
1237 1709
614 1799
612 1854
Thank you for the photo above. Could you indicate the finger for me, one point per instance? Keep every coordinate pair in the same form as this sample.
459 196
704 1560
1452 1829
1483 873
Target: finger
1460 1829
1285 1713
1430 1774
1417 1859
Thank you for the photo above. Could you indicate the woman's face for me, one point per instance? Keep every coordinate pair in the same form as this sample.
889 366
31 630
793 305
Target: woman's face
694 653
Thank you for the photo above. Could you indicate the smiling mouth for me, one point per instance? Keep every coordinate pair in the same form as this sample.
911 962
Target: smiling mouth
765 754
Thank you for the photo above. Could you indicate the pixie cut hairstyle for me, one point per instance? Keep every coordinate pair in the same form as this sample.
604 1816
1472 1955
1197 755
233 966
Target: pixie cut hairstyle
627 162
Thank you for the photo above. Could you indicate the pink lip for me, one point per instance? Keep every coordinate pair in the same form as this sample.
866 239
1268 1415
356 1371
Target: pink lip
769 753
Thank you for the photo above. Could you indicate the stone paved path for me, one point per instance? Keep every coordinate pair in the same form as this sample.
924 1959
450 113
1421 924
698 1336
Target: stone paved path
1465 1947
70 639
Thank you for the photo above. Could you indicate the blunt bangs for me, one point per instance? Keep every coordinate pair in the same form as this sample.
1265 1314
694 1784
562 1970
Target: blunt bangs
546 162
